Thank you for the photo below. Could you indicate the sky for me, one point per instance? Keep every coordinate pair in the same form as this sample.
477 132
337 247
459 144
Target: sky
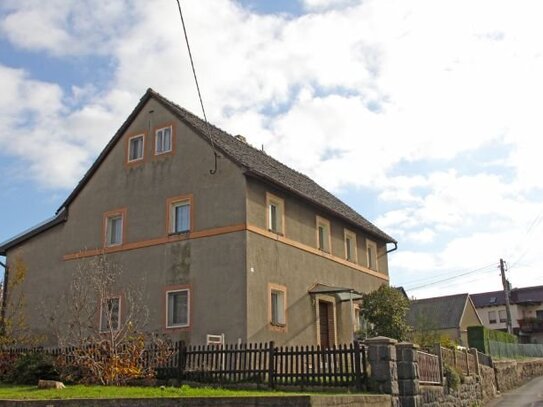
422 115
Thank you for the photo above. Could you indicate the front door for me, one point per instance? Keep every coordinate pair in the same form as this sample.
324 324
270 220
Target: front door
326 324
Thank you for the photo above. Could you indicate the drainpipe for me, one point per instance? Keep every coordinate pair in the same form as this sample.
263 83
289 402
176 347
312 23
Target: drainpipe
352 313
394 248
4 300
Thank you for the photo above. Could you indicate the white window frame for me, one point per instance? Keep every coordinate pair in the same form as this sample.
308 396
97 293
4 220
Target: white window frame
371 249
157 132
173 215
106 301
504 313
493 320
109 236
326 245
349 235
279 204
281 292
138 136
174 291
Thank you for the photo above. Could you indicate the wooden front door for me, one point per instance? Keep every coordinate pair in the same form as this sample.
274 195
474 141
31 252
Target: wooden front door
326 324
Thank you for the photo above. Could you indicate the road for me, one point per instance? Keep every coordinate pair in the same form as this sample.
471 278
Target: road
529 395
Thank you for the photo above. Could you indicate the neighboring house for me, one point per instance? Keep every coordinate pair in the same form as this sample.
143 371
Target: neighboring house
526 312
450 315
241 245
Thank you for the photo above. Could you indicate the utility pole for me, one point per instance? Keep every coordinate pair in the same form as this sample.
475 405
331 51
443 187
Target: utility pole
4 303
505 284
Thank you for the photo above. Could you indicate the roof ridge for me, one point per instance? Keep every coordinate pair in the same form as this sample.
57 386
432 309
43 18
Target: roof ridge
261 166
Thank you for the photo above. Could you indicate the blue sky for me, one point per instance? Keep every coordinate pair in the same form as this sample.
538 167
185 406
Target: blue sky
424 117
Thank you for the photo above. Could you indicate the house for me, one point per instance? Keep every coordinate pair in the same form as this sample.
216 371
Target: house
450 315
230 241
526 312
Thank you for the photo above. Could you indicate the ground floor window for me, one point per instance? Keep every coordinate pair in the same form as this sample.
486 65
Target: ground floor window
178 308
110 314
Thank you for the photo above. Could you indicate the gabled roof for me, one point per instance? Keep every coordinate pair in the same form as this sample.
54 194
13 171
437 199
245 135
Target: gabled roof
525 295
438 312
255 163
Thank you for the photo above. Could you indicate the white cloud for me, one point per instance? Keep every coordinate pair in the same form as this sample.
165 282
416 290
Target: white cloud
389 95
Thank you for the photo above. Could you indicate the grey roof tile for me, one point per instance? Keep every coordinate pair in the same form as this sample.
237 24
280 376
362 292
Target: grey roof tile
438 312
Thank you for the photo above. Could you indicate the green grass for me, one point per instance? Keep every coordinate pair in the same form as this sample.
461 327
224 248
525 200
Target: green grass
8 392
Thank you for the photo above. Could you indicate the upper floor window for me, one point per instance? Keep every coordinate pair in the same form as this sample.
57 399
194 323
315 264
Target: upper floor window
275 209
135 148
163 140
178 308
350 246
371 254
114 222
323 234
492 317
179 214
502 314
110 314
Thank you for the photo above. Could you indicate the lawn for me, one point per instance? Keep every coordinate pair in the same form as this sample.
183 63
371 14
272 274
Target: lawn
79 391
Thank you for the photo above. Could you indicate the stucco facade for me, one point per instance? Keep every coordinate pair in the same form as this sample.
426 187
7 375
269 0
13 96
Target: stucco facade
229 261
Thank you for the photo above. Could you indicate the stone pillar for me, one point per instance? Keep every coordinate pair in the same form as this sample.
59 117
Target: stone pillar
408 374
383 376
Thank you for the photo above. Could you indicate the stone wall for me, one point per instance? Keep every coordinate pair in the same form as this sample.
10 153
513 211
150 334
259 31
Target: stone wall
511 373
394 370
468 394
262 401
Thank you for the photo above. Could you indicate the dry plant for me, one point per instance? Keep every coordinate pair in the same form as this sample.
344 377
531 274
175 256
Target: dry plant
100 326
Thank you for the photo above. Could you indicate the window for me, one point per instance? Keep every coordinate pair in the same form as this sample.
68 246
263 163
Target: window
323 234
503 315
177 305
275 210
371 249
114 228
179 214
163 140
350 246
278 300
492 317
110 314
135 148
539 315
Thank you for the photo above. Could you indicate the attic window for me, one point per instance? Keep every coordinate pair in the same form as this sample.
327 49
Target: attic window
135 148
323 234
492 300
275 209
371 249
163 140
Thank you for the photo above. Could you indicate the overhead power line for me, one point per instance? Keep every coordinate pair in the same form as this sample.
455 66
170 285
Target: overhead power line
451 278
208 129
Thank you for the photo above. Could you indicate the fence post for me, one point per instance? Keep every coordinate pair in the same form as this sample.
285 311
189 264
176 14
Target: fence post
408 374
358 372
467 361
437 351
382 360
181 359
475 354
271 364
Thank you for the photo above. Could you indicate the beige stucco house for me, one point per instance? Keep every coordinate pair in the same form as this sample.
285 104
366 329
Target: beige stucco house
526 312
449 315
230 241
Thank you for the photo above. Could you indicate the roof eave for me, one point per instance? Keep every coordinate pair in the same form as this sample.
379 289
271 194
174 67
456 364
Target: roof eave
60 217
256 174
